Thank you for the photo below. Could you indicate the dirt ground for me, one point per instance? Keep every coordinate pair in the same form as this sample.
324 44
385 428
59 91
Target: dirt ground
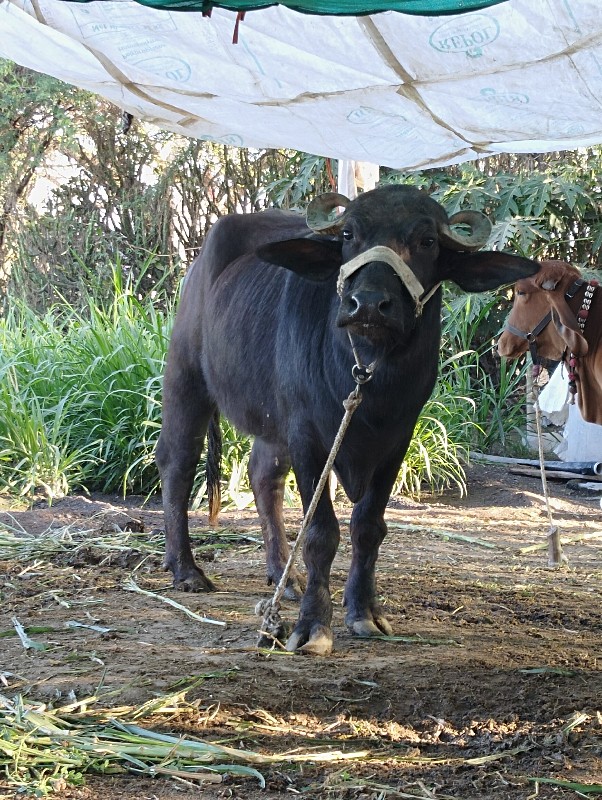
494 689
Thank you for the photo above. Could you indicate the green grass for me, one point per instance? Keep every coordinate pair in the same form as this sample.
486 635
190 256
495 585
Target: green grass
80 397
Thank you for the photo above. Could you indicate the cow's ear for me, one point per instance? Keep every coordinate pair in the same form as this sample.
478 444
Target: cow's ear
566 324
314 259
484 270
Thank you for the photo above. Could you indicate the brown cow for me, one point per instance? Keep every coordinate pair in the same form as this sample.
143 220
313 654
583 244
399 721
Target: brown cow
557 293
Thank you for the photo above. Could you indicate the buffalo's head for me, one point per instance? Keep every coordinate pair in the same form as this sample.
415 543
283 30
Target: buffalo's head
391 248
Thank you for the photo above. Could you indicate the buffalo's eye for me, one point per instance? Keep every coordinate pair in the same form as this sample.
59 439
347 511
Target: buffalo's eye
347 234
427 241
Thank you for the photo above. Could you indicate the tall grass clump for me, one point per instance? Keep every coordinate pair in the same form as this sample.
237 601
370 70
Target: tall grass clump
478 401
80 396
439 447
470 368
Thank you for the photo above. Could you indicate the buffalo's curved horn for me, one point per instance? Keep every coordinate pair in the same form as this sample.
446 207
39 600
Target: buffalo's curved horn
318 214
480 229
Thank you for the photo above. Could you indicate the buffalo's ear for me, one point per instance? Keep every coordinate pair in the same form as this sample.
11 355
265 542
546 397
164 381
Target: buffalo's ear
484 270
314 259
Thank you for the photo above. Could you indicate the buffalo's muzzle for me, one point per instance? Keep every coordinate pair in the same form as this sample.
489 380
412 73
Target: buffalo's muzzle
367 311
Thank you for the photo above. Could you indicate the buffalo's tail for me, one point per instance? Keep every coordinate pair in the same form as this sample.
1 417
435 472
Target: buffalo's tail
213 468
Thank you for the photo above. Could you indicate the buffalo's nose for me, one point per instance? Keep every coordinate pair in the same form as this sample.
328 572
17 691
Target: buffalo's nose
370 303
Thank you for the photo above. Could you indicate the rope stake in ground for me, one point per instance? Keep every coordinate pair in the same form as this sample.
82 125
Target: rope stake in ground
273 629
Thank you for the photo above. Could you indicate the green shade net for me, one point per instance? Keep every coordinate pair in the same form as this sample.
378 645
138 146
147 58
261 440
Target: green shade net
332 7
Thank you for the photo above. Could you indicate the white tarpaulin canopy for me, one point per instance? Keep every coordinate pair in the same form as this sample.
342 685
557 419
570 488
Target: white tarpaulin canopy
389 88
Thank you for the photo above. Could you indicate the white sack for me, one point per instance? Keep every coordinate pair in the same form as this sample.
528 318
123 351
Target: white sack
582 440
553 400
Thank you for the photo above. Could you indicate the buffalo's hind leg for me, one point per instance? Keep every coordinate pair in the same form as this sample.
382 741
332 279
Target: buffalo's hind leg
268 467
186 414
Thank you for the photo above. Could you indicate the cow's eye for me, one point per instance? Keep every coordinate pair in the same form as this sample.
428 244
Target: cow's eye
347 234
520 294
427 241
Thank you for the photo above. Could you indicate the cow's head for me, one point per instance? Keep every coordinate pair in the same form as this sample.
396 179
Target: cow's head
379 235
538 298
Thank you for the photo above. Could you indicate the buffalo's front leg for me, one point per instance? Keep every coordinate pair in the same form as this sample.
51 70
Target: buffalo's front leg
186 414
364 615
313 633
268 467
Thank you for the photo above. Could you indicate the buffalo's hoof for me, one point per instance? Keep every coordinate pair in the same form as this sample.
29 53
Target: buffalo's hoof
317 642
193 580
374 625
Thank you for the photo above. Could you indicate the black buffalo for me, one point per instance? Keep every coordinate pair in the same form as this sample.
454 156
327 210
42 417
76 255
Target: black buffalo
263 337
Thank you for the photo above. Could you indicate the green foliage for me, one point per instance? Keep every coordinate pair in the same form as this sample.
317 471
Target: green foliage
33 106
549 207
470 369
35 451
80 400
302 176
478 402
144 198
109 209
34 118
438 447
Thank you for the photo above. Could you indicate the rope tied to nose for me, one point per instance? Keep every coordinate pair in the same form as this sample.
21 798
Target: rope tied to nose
272 627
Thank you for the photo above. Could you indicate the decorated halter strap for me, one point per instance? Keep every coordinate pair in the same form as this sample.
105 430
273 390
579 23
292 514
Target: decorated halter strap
582 316
583 312
397 264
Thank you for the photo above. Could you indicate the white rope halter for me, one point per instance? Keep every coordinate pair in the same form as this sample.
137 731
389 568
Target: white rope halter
397 264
